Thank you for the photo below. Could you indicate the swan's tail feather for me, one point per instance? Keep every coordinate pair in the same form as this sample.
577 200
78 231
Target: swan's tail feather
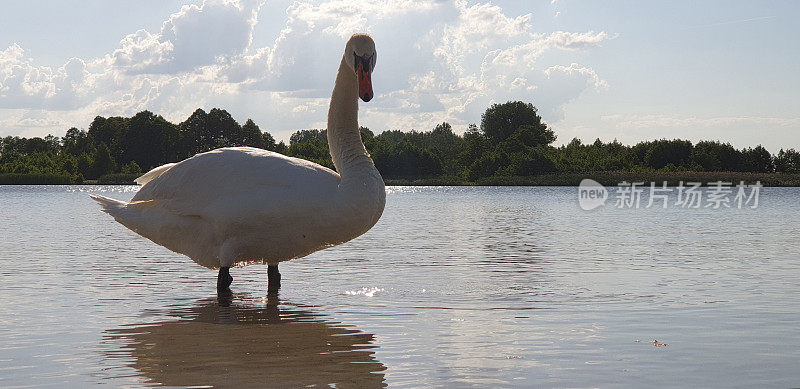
175 232
109 205
135 215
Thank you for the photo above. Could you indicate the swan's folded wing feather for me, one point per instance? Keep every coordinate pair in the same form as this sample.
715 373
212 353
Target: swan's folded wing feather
149 176
234 182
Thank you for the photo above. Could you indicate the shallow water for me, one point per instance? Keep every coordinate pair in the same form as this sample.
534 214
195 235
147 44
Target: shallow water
474 286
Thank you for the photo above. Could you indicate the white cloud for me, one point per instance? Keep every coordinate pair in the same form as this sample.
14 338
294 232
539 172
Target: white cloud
477 28
142 51
591 77
24 85
437 61
655 121
575 40
194 36
498 74
342 18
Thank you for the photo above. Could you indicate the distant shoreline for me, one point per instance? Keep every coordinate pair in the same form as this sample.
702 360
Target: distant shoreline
612 179
555 179
55 179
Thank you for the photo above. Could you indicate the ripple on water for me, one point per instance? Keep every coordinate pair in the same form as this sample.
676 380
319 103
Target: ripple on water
454 286
365 291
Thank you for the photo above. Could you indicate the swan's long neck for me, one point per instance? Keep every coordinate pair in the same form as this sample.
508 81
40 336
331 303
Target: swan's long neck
344 139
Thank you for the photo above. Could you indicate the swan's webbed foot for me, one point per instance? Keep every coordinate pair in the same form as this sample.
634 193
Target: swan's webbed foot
224 278
273 278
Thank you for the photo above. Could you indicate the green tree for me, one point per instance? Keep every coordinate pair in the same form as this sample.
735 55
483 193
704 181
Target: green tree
37 145
487 165
251 135
534 135
716 156
522 154
531 161
53 143
150 141
787 161
12 144
757 160
221 130
304 136
446 145
366 134
69 164
474 146
103 162
190 134
203 132
76 142
110 131
131 168
501 120
311 145
404 160
86 165
660 153
281 148
268 142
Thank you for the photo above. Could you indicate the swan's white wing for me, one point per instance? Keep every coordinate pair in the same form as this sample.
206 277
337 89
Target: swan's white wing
226 185
238 203
149 176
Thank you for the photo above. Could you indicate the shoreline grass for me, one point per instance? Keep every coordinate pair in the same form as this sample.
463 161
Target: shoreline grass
610 179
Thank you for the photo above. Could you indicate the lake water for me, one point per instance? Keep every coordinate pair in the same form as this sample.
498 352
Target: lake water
472 286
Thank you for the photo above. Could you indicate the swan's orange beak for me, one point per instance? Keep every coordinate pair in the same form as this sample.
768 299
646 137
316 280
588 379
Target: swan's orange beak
364 84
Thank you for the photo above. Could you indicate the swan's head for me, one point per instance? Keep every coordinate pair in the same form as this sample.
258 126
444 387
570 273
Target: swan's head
360 55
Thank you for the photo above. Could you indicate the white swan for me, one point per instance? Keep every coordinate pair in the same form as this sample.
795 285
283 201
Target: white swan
240 205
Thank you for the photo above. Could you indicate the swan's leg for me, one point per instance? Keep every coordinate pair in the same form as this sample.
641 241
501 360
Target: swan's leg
224 297
224 278
226 257
273 278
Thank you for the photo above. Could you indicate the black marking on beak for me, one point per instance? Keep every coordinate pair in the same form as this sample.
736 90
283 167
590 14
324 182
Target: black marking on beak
363 61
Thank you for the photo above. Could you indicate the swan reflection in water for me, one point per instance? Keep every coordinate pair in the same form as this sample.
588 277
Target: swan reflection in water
246 346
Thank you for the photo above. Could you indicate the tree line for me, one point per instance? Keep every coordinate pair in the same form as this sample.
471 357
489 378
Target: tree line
511 141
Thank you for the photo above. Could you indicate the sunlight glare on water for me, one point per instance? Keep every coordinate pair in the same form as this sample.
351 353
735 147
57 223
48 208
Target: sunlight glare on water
455 286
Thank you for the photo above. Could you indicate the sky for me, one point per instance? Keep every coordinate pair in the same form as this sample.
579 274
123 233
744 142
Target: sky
625 70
